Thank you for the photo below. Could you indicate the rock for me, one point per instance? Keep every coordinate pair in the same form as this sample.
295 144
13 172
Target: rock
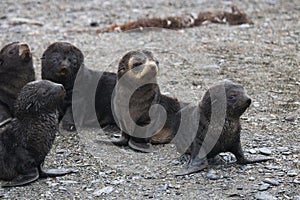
117 182
265 151
264 187
105 190
252 151
296 197
251 178
290 118
296 181
19 21
256 104
239 187
68 182
291 173
283 149
272 167
264 196
272 181
212 176
94 24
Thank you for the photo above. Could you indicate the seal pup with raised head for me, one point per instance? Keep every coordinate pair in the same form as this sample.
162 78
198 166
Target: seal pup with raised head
219 126
61 62
28 138
137 73
16 69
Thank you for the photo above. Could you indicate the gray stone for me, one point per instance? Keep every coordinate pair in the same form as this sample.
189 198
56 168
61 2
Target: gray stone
292 173
264 196
212 176
265 151
264 187
272 181
290 118
105 190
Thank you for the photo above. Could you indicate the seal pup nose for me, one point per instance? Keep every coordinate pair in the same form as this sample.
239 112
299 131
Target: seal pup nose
24 50
249 101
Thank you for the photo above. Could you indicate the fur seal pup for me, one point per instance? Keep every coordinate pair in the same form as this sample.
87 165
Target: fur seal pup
207 144
61 62
16 69
27 139
140 67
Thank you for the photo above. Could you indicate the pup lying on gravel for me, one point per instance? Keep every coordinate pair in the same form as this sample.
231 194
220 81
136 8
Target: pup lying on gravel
27 139
16 69
218 128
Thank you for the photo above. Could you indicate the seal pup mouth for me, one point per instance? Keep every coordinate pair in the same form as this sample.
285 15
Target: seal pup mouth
62 72
24 51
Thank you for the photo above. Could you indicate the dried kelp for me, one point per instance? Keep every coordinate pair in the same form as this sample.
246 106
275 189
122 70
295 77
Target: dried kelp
235 17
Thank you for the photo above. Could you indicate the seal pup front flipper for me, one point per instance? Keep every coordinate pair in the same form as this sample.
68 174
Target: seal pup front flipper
23 179
198 161
44 173
241 159
143 146
122 141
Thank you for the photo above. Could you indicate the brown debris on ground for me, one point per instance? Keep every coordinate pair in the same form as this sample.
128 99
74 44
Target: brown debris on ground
235 17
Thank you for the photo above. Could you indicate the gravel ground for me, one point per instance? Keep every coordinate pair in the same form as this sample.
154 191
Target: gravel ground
264 57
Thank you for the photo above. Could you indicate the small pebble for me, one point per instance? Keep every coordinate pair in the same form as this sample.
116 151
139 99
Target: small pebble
105 190
264 196
292 173
296 181
264 187
251 178
212 176
239 187
265 151
272 181
290 118
252 151
283 149
94 24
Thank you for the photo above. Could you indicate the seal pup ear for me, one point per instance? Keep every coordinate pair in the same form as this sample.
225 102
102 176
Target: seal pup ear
121 69
43 57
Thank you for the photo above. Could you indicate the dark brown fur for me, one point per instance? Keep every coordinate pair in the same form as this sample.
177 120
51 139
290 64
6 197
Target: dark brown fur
61 63
27 139
237 101
141 66
16 69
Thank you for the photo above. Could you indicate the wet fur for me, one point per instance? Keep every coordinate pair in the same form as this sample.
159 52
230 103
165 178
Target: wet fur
28 138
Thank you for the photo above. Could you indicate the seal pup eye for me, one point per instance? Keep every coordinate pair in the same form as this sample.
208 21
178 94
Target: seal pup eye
137 64
73 60
232 97
11 52
54 59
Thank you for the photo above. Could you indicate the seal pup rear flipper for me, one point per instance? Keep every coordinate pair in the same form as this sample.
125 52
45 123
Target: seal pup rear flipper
23 179
44 173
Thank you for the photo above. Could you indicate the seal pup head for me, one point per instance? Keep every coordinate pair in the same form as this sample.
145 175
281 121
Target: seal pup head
15 56
138 65
39 98
61 62
237 99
